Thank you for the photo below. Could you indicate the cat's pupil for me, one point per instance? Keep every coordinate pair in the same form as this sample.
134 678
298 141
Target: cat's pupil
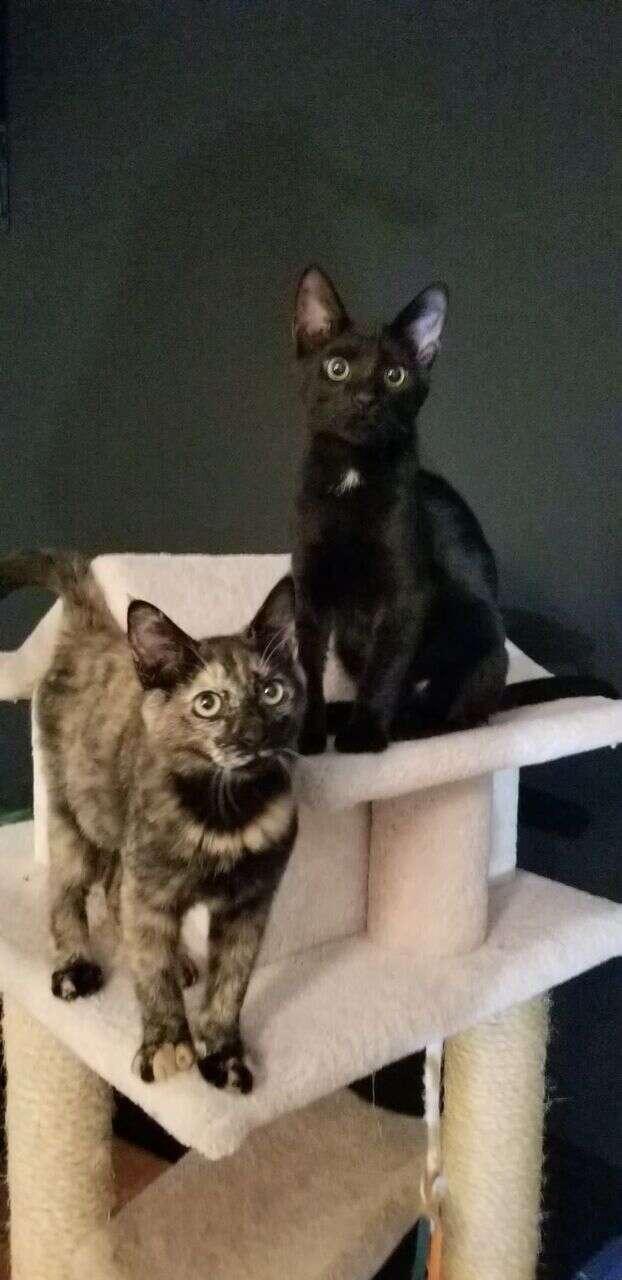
337 368
207 704
272 692
395 375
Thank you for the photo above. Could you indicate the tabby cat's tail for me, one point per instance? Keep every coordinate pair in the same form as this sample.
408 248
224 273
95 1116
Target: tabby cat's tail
67 574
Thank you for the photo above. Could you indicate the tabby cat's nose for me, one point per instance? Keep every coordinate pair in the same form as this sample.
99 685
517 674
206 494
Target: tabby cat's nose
364 398
253 736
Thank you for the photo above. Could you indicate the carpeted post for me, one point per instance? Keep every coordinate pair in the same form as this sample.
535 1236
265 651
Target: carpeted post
58 1121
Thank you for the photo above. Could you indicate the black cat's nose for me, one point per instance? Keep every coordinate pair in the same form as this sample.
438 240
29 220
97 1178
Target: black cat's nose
364 399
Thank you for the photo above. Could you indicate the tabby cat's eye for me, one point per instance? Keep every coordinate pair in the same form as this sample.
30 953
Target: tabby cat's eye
207 704
395 376
272 693
337 369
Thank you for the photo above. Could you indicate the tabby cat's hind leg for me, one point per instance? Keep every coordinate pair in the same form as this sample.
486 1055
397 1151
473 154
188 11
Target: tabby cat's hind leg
73 870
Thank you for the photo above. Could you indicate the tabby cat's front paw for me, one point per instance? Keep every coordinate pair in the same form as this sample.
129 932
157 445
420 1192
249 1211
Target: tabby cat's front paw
160 1061
227 1069
77 977
363 733
187 970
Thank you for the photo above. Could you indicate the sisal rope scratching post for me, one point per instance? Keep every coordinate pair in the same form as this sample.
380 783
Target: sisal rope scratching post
492 1146
58 1120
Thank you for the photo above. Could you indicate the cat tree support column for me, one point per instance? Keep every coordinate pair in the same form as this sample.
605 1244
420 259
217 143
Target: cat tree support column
58 1121
428 891
492 1141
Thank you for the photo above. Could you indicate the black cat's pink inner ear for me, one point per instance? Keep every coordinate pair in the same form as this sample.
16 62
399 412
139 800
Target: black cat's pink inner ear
163 654
319 313
420 325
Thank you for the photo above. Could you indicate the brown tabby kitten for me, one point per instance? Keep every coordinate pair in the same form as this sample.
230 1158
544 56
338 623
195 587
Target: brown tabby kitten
168 774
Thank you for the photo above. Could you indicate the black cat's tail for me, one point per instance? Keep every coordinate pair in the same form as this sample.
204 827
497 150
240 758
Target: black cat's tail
523 693
528 693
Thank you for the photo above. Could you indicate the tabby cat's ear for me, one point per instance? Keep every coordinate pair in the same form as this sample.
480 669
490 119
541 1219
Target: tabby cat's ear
274 624
163 654
319 313
420 325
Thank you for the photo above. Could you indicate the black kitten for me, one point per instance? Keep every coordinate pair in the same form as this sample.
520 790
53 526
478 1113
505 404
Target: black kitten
389 557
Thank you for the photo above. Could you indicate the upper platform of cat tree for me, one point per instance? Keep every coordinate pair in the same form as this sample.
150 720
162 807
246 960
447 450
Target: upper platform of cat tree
530 735
210 594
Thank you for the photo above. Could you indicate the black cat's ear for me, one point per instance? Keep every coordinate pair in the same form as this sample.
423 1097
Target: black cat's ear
274 626
163 654
420 325
319 313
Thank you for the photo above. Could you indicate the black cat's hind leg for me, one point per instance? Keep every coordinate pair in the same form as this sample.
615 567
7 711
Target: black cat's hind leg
458 682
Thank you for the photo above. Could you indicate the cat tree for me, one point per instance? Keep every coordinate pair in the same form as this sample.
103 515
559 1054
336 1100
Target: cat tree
402 922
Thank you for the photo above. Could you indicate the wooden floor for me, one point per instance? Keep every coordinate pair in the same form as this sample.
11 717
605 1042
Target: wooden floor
134 1170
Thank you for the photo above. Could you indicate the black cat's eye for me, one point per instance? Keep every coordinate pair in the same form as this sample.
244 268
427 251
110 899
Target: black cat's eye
337 369
395 376
272 693
207 704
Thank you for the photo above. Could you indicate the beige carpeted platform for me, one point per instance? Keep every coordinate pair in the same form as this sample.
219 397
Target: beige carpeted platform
325 1194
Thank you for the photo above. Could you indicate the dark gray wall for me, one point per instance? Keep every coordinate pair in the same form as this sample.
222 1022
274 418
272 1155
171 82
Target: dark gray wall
173 168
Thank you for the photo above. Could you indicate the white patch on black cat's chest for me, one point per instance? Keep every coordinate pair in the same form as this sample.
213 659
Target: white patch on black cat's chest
351 479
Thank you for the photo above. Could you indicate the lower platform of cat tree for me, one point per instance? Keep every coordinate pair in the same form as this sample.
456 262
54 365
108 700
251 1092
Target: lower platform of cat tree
324 1194
314 1021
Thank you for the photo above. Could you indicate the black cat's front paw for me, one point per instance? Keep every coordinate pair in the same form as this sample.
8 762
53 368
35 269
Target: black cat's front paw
227 1069
78 977
312 740
363 733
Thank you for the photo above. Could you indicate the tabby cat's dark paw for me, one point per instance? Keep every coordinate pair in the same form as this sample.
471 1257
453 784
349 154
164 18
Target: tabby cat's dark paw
79 977
226 1069
363 733
158 1062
